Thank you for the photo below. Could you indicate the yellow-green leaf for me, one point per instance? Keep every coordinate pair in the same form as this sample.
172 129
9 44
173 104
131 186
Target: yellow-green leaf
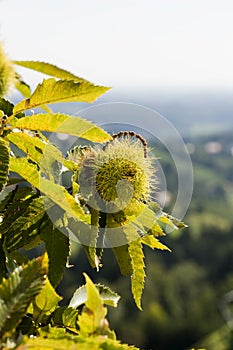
93 314
123 259
46 300
156 230
63 199
39 150
49 69
16 293
94 300
25 169
54 91
138 276
62 123
154 243
56 193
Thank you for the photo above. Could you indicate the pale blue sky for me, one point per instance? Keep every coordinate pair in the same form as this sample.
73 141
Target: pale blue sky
180 44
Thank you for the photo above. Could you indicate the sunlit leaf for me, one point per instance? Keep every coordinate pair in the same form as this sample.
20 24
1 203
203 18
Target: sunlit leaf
53 91
156 230
44 153
138 276
60 339
123 259
63 123
154 243
27 170
45 301
49 69
107 295
94 312
56 193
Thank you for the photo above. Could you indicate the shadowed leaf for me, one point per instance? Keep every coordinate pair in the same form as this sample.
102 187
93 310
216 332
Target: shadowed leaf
58 249
17 292
4 163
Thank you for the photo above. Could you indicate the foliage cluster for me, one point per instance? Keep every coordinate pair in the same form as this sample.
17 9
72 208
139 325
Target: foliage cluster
30 315
182 298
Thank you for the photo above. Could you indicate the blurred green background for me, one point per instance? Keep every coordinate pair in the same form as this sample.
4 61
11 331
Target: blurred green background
183 298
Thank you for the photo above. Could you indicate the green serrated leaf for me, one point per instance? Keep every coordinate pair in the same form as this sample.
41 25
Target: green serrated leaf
53 91
24 228
17 292
49 69
56 193
63 199
58 249
138 276
94 300
44 153
107 295
93 254
4 163
62 123
25 169
87 236
123 259
154 243
46 301
13 197
94 312
156 230
17 203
